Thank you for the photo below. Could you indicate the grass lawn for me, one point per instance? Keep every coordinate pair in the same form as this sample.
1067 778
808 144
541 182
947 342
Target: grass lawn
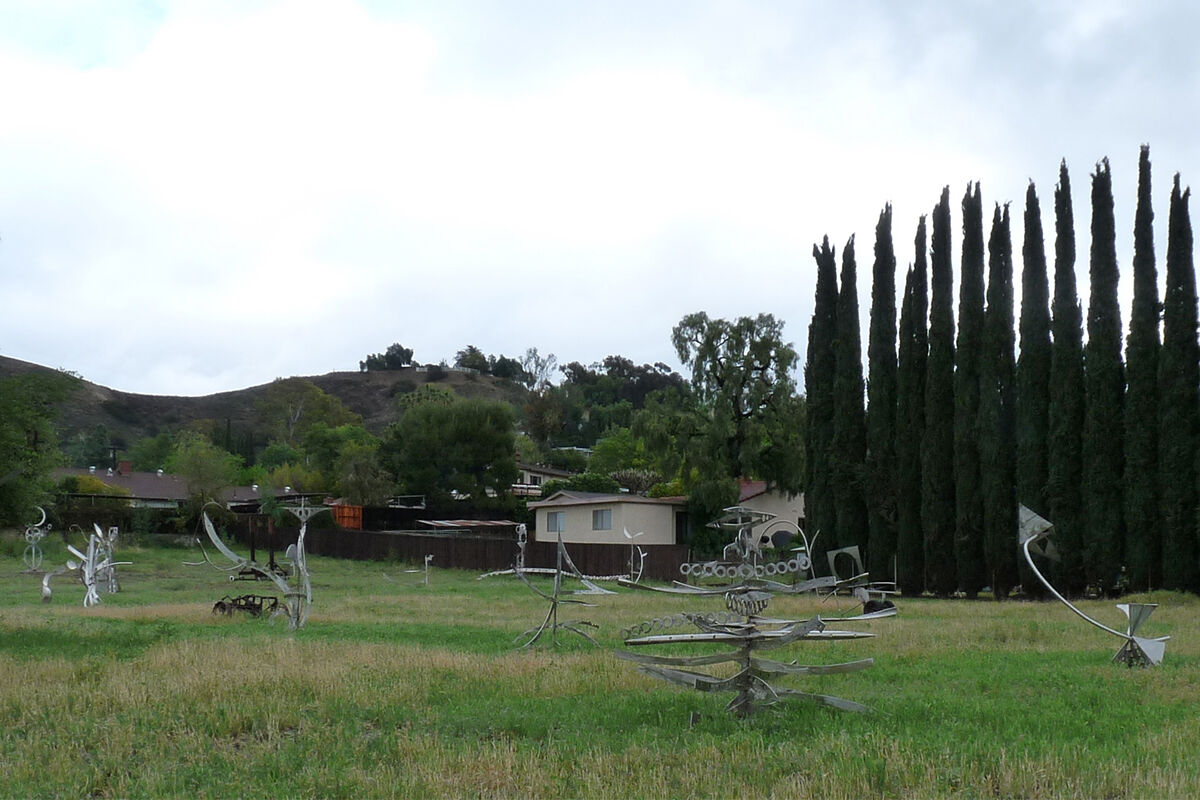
396 689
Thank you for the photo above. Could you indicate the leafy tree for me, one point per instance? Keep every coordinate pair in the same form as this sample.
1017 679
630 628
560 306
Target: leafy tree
360 477
1179 427
277 454
90 449
507 368
290 406
881 404
619 449
583 482
1064 456
997 448
849 420
937 448
1033 364
28 446
323 446
638 481
471 357
1143 546
426 393
151 453
1104 383
910 421
819 370
538 368
206 468
397 356
463 449
968 497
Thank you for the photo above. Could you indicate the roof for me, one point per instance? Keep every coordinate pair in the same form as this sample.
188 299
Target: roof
750 488
544 469
568 497
156 485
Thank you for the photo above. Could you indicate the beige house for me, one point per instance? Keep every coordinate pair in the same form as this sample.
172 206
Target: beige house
593 518
755 495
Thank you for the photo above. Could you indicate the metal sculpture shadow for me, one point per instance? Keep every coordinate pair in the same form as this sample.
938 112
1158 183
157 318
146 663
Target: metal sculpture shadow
1034 532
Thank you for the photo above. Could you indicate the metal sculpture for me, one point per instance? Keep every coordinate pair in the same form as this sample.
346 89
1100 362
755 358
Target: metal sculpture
97 567
749 633
743 627
637 556
1034 532
297 597
33 537
252 604
519 567
551 623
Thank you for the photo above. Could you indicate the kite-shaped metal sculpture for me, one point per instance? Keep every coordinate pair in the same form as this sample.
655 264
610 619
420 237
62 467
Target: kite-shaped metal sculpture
749 633
297 594
34 534
1136 650
97 567
552 623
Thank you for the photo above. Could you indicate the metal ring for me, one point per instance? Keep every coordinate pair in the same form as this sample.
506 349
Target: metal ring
685 568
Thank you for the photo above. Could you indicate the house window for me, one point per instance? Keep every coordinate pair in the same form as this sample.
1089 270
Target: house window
535 480
602 519
554 521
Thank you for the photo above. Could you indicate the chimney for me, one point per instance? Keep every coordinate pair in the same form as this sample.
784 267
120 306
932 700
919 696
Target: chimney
124 467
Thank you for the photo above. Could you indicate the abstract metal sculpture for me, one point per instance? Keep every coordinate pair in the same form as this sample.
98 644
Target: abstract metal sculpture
97 567
637 556
298 597
551 623
1136 650
33 536
744 627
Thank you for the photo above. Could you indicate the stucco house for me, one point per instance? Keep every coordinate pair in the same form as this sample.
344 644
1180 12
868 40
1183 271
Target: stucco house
596 518
755 495
533 476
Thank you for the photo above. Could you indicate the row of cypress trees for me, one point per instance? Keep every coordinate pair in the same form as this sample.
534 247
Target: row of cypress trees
956 430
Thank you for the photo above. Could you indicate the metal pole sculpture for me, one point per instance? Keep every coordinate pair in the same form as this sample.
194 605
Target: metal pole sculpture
1034 532
551 622
33 536
298 597
96 567
637 556
743 627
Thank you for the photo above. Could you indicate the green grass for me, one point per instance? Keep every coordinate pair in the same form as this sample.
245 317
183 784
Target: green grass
395 689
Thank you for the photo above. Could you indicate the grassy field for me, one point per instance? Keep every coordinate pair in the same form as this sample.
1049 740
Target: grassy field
396 689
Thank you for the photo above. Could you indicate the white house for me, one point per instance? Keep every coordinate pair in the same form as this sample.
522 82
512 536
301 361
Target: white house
595 518
755 495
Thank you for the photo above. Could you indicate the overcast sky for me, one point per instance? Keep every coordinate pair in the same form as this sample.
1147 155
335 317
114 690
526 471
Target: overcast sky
202 196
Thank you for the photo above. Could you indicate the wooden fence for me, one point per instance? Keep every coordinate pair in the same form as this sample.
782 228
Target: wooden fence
481 552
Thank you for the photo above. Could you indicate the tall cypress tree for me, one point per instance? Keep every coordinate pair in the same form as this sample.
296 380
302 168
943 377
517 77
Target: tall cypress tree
968 534
937 447
819 369
1143 550
1033 365
1179 427
849 419
910 422
1064 455
1104 382
997 448
881 405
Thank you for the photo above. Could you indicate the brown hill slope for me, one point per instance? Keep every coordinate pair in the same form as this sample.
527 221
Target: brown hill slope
130 416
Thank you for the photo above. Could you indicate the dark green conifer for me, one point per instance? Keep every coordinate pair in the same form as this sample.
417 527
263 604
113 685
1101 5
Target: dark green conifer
849 419
1143 549
1064 497
937 447
1033 365
881 406
1179 377
997 445
820 509
968 533
1104 383
910 422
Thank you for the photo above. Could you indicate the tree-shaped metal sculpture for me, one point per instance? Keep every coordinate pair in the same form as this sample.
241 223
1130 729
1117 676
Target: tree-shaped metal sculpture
552 623
743 627
97 567
1034 533
297 594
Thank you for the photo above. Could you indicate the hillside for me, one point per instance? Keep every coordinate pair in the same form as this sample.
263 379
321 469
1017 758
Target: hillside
130 417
